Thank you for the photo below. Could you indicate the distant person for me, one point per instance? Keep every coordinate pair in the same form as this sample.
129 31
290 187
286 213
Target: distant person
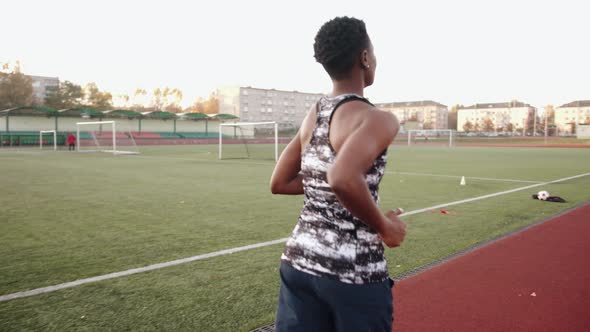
333 271
71 142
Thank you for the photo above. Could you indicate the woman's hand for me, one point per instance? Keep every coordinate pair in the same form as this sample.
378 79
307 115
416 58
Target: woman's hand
394 230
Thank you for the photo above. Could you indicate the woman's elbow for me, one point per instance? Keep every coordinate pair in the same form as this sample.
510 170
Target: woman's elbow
338 183
274 188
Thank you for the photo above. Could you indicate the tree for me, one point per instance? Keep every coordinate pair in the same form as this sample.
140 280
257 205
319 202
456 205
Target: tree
488 125
452 120
549 117
121 100
16 88
96 98
196 107
211 105
67 95
453 115
510 127
172 99
139 98
173 108
157 98
165 99
468 127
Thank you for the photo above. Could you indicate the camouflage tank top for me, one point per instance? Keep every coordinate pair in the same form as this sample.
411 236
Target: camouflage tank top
328 240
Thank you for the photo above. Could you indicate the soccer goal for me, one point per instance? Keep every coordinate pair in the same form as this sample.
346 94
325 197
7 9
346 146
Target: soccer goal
430 137
49 137
255 140
102 136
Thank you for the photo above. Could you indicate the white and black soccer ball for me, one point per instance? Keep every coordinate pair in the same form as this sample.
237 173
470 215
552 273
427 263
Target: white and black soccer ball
543 195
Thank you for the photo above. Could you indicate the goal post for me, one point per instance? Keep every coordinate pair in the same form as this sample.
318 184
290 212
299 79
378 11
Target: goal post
240 125
431 136
104 140
42 132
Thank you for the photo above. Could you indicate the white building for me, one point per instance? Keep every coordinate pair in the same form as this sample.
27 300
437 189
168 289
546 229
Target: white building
503 116
287 108
572 114
41 85
429 114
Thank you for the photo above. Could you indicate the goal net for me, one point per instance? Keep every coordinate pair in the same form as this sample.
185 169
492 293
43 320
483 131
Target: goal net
48 140
102 136
249 140
442 137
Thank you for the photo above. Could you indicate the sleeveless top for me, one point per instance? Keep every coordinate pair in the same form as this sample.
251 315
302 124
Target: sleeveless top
328 240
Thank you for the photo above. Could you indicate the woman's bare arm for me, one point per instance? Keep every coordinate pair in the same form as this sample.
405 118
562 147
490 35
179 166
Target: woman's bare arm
347 175
286 179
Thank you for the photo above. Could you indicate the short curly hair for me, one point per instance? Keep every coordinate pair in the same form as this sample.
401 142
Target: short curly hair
338 44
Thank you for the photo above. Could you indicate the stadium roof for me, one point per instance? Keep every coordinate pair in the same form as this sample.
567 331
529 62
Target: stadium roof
123 114
82 112
223 116
29 110
159 115
577 103
195 116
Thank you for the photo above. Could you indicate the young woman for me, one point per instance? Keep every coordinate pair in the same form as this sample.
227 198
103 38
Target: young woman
333 271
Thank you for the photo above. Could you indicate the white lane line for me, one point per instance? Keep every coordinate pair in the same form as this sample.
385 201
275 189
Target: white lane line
136 270
459 176
79 282
492 195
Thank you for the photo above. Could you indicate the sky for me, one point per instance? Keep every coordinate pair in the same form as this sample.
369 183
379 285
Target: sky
452 51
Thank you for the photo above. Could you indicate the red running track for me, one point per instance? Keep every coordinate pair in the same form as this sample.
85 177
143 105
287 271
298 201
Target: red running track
490 289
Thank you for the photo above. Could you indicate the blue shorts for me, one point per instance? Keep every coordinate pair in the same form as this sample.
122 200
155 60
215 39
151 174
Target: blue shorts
308 303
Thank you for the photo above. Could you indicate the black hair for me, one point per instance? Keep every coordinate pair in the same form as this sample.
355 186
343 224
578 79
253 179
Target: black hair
339 44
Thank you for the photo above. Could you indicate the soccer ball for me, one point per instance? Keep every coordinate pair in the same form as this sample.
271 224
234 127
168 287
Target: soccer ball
543 195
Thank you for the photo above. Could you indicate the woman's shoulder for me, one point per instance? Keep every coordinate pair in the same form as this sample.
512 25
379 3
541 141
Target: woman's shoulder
384 115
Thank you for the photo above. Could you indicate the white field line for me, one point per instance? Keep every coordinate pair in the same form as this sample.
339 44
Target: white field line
79 282
231 162
492 195
136 270
213 161
467 177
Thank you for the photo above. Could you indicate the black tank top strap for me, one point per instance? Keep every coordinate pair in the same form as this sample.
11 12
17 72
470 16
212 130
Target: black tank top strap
326 106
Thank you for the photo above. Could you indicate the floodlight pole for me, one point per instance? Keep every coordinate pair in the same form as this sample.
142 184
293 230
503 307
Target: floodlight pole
450 138
220 140
534 122
276 142
77 138
114 134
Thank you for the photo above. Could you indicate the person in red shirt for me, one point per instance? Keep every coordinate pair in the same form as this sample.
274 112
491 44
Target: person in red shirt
71 142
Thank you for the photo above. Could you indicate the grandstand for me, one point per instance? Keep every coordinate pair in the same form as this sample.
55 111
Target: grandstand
20 126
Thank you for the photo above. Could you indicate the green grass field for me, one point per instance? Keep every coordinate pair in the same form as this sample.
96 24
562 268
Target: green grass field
66 216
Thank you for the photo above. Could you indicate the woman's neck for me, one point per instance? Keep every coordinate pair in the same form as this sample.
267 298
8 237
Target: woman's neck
348 86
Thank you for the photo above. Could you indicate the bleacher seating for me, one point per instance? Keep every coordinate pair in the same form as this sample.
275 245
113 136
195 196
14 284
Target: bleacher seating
198 135
145 134
22 138
32 137
109 134
164 134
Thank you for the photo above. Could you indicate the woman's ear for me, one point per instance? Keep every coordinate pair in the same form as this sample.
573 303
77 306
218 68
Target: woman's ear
365 64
